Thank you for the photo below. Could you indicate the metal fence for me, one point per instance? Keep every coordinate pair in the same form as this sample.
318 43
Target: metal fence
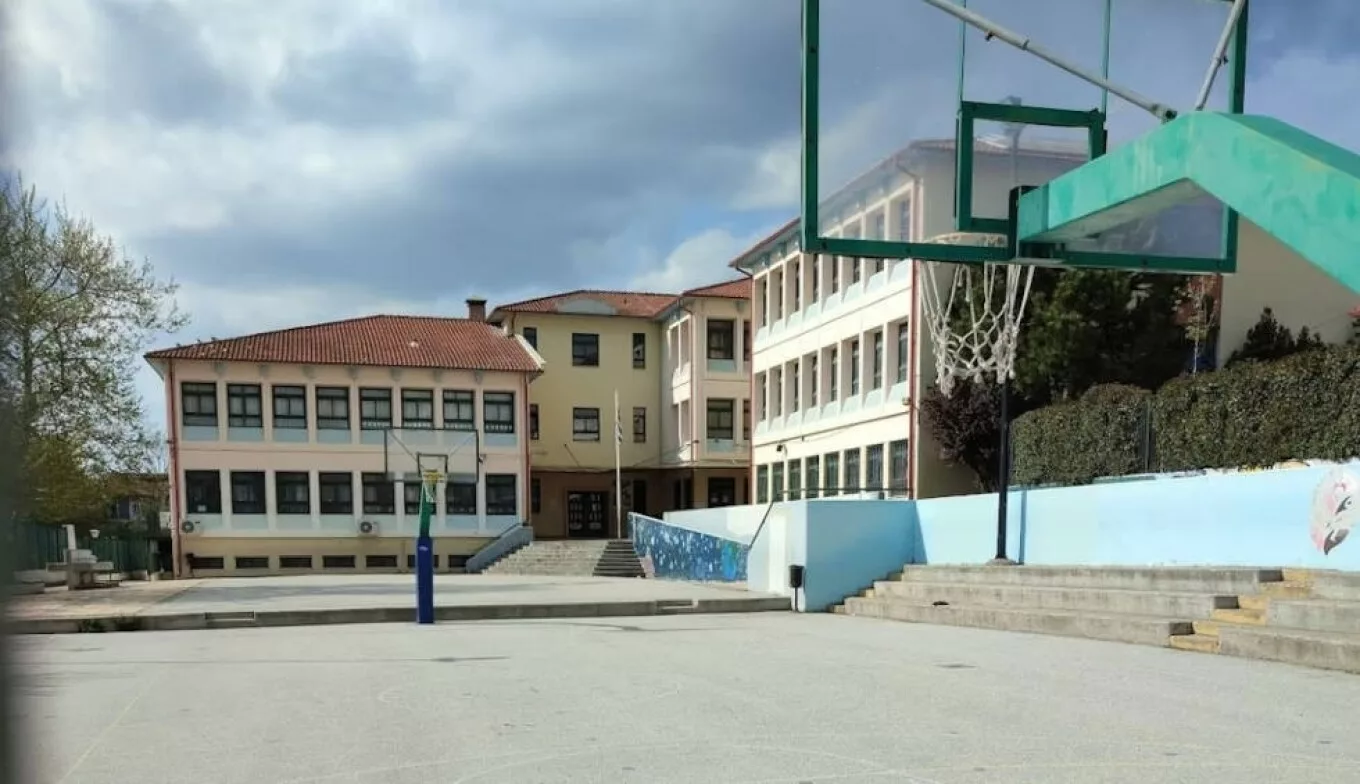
34 546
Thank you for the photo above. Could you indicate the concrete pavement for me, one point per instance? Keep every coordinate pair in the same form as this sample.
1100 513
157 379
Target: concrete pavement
769 697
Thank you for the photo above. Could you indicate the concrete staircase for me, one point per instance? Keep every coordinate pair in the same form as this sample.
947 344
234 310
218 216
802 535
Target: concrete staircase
1291 616
578 558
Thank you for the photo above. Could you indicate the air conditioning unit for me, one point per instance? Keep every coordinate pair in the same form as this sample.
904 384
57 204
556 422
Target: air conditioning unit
188 527
368 528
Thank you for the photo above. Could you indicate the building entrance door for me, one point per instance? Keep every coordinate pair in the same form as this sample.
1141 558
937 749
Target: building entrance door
587 514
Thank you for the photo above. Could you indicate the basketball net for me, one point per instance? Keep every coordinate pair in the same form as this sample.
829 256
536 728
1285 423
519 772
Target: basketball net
432 480
993 297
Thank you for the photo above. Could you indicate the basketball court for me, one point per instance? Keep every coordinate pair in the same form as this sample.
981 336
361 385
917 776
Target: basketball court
771 697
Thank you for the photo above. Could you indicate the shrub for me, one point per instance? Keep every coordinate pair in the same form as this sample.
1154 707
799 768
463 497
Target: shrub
1102 433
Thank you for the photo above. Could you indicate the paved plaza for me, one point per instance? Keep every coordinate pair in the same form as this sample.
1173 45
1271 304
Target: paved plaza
765 697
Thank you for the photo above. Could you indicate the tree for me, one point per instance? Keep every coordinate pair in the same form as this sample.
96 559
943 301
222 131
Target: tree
1083 327
76 315
1268 339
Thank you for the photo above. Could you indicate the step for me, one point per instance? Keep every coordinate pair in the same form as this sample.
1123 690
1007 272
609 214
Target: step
1215 580
1240 616
1254 601
1199 643
1322 615
1344 586
1287 589
1115 627
1326 650
1172 605
230 620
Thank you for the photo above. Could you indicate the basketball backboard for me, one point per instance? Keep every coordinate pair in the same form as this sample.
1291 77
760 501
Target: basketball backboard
410 454
926 117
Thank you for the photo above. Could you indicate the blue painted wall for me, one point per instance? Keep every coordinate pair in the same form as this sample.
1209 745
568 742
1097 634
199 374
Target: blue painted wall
1260 518
681 554
850 544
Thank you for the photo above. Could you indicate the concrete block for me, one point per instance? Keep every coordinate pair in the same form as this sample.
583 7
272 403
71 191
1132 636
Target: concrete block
1171 605
1096 626
1320 615
1190 579
1324 650
1344 586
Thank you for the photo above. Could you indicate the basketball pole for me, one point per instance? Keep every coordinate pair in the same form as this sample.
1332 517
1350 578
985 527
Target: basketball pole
425 554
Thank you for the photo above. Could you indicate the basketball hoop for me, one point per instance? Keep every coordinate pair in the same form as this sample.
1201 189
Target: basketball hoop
994 298
431 480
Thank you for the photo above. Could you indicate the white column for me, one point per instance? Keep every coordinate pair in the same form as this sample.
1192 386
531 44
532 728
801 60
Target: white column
314 493
271 499
481 502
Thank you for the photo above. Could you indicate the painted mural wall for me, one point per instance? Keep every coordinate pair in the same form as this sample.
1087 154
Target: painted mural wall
673 553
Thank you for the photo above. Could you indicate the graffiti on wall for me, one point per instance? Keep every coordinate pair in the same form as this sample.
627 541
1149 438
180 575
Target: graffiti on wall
680 554
1336 509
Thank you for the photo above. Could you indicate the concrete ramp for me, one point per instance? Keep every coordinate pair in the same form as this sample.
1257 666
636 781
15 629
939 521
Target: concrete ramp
1300 189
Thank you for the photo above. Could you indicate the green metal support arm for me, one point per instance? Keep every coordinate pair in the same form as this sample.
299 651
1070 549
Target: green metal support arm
1301 190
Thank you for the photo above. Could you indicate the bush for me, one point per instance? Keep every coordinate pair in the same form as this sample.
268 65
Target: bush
1254 414
1072 443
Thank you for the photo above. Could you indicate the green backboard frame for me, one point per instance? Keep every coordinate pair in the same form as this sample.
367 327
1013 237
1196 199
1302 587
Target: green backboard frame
1052 253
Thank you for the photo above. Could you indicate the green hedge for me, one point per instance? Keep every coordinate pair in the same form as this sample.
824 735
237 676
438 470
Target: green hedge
1305 406
1100 434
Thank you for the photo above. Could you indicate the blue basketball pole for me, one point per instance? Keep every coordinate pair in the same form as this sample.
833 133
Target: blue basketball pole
425 557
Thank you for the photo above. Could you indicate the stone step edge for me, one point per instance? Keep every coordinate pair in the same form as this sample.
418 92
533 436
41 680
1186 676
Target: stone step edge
1218 595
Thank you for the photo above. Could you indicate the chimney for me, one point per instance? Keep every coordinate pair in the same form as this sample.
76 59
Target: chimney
476 309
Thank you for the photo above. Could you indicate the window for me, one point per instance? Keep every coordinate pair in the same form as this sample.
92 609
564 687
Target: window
290 407
904 220
763 385
332 408
776 391
763 297
762 484
833 378
375 409
295 562
460 412
873 467
777 296
535 495
877 377
795 388
585 349
797 286
897 467
585 424
200 404
410 496
745 420
795 479
852 479
244 408
460 498
292 493
813 480
252 562
722 491
639 349
417 408
903 345
745 340
639 425
815 279
247 492
777 482
380 562
207 562
812 381
203 492
337 493
531 336
722 335
380 494
337 561
833 283
533 421
854 270
501 494
854 366
831 484
498 412
720 424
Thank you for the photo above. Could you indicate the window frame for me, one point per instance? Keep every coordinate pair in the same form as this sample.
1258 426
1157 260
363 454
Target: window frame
639 424
417 398
384 489
585 349
330 397
899 460
245 394
762 484
213 501
456 491
458 398
812 479
291 480
639 350
831 470
533 422
254 480
199 392
876 370
582 415
377 397
502 405
720 406
530 335
852 458
330 481
501 483
873 468
903 352
288 394
720 339
854 366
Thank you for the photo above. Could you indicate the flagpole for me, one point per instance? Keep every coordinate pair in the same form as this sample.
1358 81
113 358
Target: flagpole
618 468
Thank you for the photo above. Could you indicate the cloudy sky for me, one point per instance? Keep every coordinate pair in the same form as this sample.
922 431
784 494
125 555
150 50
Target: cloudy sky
300 160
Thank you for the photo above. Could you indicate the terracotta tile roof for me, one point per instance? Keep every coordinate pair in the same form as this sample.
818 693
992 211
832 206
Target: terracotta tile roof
732 289
382 341
629 304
